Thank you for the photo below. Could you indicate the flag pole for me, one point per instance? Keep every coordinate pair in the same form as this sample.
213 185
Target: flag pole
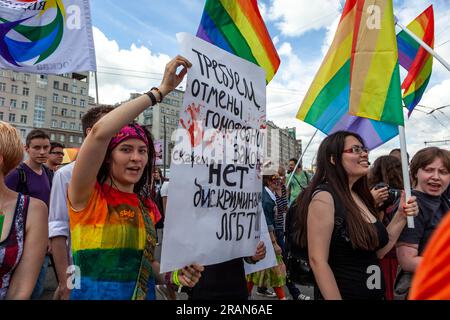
301 157
96 87
424 45
405 170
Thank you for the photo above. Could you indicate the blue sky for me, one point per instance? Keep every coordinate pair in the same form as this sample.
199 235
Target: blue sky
139 35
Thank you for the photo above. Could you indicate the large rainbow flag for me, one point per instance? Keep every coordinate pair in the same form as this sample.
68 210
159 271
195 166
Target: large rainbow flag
375 76
326 103
415 58
237 27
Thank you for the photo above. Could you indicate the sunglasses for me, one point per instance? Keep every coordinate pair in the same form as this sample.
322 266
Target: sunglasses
356 149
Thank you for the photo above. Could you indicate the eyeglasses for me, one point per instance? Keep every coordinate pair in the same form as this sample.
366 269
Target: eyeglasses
356 149
58 153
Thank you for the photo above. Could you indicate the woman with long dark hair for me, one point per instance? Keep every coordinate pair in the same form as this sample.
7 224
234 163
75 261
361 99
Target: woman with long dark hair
112 217
338 223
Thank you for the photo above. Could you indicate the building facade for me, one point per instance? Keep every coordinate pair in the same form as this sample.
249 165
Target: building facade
282 144
54 103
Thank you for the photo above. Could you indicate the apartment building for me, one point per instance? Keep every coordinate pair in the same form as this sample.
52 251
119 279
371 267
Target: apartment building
54 103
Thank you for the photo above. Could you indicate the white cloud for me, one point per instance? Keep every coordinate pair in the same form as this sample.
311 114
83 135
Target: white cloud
296 17
115 81
296 74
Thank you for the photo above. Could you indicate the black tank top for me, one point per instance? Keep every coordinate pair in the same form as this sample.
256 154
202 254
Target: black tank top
357 271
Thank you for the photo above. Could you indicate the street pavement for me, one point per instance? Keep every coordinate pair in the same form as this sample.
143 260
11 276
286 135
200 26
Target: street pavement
51 284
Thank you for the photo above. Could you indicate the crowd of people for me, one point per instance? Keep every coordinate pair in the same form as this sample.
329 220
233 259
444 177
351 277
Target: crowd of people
104 214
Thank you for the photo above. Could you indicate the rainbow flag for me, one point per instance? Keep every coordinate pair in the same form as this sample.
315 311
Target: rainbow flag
326 103
237 27
415 58
375 77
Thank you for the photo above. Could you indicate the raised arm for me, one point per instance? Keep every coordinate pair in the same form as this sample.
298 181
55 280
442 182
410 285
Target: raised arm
93 150
35 247
320 228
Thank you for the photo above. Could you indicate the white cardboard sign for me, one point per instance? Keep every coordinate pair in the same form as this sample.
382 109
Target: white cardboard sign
214 202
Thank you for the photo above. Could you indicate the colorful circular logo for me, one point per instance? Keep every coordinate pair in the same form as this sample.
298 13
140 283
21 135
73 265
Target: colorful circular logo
28 41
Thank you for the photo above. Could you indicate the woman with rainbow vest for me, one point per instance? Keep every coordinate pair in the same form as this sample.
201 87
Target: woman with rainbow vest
112 218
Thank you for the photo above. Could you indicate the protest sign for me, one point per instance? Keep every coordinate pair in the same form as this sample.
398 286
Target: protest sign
213 212
270 260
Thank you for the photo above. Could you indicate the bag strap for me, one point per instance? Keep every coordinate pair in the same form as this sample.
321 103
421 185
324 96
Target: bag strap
22 186
145 270
49 173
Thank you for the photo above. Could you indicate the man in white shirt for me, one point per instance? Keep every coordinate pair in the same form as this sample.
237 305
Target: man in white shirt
58 220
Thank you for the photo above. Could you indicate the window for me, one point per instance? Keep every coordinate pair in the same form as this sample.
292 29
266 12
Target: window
73 114
80 140
83 91
63 125
56 85
23 119
80 128
65 87
26 77
13 103
23 133
54 124
54 111
24 105
74 101
65 99
81 114
39 111
2 101
1 116
42 81
71 139
52 136
82 103
14 89
64 112
74 89
26 92
55 97
2 86
12 117
72 126
62 138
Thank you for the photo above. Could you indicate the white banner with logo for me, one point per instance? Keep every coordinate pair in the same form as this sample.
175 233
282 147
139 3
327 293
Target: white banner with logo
214 203
46 37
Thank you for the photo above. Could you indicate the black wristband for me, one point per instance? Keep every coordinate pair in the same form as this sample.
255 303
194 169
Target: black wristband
152 97
250 260
161 97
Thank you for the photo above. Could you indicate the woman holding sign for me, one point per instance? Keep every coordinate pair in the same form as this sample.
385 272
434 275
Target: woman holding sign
23 226
112 218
